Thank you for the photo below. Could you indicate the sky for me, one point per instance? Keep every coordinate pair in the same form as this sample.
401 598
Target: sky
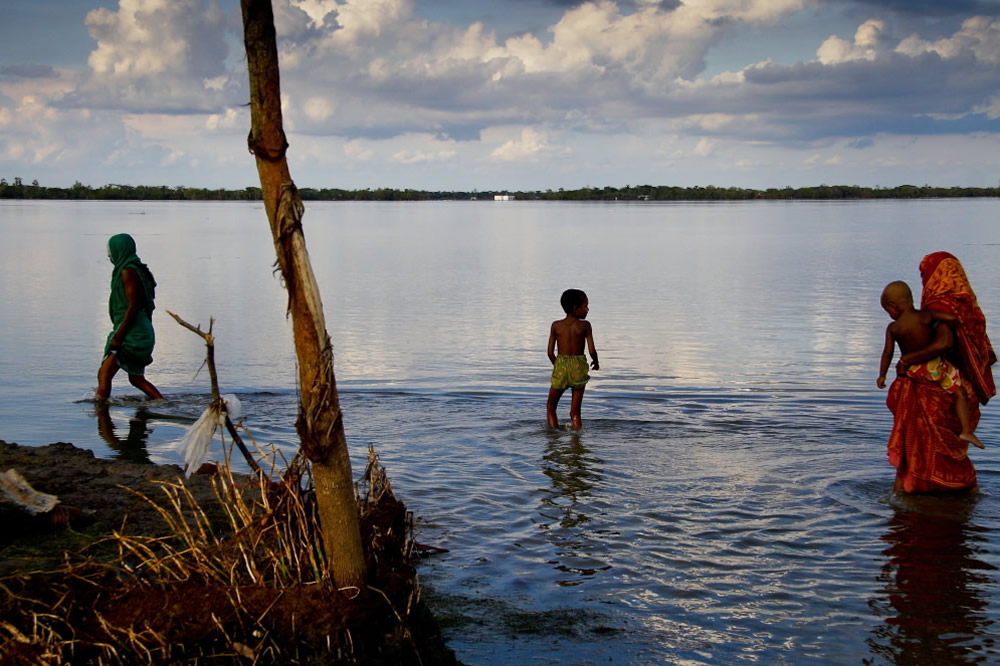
496 95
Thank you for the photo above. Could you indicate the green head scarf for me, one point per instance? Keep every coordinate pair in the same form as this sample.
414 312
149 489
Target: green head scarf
121 252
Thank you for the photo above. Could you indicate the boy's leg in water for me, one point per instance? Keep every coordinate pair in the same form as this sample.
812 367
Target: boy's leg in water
962 412
550 406
574 408
145 386
107 371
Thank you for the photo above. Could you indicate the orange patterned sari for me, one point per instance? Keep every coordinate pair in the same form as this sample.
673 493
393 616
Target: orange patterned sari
924 445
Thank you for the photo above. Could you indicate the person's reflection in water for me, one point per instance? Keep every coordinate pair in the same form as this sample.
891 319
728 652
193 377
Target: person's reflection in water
564 512
133 447
933 607
571 479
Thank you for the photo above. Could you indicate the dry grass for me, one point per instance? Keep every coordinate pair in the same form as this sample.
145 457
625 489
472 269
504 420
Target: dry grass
252 589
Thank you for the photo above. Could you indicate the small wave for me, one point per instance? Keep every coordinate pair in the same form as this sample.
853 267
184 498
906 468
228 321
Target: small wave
864 495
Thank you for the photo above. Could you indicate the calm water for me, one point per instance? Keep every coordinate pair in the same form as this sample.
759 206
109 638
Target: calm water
728 498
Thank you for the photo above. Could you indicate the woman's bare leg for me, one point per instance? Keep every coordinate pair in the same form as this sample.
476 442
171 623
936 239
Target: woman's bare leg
107 371
145 386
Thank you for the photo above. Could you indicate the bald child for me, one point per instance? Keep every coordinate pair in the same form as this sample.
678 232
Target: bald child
914 331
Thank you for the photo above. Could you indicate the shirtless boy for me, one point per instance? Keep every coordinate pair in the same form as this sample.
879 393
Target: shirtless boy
569 367
913 330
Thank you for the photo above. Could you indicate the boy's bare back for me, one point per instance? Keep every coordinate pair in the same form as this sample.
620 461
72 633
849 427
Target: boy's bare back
571 335
913 330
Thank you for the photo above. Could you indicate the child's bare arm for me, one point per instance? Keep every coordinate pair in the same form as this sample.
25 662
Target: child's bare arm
887 349
942 342
937 315
552 343
591 348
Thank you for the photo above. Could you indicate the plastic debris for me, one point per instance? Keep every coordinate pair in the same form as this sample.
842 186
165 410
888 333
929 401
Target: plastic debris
233 407
194 446
17 490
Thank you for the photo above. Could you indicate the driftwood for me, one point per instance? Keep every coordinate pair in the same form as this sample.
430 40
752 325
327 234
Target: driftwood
214 378
319 425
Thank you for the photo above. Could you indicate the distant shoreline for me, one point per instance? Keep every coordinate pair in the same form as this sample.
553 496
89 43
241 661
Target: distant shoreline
111 192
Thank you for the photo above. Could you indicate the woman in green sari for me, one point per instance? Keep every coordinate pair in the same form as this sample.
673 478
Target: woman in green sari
130 344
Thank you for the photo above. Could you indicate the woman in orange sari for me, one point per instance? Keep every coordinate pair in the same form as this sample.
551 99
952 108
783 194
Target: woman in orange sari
924 445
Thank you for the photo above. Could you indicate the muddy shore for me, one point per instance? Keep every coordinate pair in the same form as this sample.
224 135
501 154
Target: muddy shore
103 496
98 487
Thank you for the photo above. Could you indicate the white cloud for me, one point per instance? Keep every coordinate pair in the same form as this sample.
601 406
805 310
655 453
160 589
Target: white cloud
355 150
318 108
979 36
317 10
157 55
711 122
990 109
528 146
416 157
232 119
215 83
704 147
866 45
395 72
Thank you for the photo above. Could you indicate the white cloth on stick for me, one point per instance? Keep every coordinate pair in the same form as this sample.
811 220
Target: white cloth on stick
194 445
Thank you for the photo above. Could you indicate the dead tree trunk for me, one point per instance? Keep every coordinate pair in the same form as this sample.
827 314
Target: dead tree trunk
319 424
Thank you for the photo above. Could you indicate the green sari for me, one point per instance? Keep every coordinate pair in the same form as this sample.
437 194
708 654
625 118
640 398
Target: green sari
136 351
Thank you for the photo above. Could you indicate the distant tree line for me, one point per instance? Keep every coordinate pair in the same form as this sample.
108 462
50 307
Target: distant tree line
18 190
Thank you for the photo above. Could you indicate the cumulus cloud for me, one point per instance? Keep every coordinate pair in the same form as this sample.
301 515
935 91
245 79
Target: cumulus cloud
35 133
395 72
355 150
318 108
991 109
609 66
867 40
875 83
416 157
704 147
231 119
527 145
979 37
158 56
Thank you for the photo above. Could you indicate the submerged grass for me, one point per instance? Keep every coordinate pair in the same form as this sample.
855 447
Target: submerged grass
250 588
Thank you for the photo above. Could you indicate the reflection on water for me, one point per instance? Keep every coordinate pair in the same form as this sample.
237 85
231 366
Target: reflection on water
565 508
131 447
932 604
568 466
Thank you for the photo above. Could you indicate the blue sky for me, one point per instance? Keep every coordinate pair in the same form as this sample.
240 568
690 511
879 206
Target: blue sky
509 94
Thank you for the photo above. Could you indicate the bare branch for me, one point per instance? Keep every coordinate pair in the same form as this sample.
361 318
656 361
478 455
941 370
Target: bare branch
216 395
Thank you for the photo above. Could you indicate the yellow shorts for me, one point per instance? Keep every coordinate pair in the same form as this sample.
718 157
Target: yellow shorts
570 372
